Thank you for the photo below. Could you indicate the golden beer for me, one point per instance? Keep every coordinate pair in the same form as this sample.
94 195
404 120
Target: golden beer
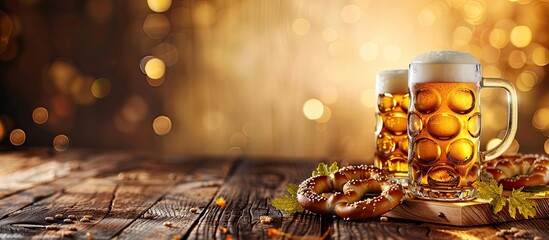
444 125
391 121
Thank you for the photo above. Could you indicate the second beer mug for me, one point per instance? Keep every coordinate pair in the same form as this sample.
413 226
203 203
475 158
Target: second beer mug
391 121
444 125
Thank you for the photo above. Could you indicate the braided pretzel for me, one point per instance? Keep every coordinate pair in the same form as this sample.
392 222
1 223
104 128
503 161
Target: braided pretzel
336 193
515 171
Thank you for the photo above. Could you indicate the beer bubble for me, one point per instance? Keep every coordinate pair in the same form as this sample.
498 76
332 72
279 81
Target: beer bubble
461 100
461 151
443 126
426 150
396 123
405 102
61 143
40 115
162 125
386 102
403 145
385 143
415 124
442 176
473 125
427 100
17 137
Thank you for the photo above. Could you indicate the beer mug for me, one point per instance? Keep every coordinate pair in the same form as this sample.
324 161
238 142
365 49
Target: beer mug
391 121
444 125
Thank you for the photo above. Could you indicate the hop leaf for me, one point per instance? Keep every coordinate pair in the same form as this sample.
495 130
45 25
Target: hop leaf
288 203
324 170
493 192
518 201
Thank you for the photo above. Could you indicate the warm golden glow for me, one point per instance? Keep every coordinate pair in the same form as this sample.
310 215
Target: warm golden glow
39 115
368 98
301 26
521 36
326 115
101 87
474 12
313 109
541 119
369 51
61 143
517 59
499 38
204 14
159 5
526 81
155 68
329 34
546 146
17 137
156 26
540 56
162 125
351 13
426 18
391 53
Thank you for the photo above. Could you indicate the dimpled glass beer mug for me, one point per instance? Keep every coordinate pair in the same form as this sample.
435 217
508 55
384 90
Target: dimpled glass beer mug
444 125
391 121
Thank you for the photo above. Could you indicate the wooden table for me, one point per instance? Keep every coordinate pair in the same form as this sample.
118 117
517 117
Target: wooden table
148 196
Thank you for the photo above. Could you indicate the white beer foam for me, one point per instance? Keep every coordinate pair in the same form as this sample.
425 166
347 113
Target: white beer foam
392 81
446 57
444 66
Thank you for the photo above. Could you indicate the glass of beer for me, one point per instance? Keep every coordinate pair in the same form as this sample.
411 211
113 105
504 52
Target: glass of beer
444 125
391 121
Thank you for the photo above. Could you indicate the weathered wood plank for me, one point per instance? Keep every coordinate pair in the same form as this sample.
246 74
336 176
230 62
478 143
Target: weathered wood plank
196 190
113 201
86 167
247 193
472 213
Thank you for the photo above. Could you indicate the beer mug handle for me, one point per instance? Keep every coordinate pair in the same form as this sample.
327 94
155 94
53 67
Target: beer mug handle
495 152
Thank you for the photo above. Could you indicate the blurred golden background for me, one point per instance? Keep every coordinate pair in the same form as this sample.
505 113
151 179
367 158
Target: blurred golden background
275 78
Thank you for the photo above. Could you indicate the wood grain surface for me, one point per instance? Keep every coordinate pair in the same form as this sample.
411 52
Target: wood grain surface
150 196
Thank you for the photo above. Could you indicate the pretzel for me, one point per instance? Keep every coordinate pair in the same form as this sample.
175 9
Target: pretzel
342 191
517 170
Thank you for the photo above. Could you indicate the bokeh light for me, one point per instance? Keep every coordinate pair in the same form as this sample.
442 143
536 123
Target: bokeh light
301 26
499 38
155 68
329 35
61 143
351 13
162 125
17 137
159 5
540 56
521 36
541 119
313 109
40 115
156 26
101 88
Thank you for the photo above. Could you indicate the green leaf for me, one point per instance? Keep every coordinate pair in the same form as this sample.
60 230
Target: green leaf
288 203
540 188
323 170
497 204
333 167
292 189
519 201
488 190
